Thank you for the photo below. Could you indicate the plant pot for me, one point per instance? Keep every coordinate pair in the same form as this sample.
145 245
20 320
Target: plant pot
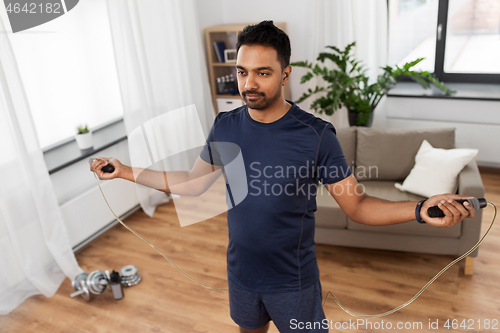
353 119
84 141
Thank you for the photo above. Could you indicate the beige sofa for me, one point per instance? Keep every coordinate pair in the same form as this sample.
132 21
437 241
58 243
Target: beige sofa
380 157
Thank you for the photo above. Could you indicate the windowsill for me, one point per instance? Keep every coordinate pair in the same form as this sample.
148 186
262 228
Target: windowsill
68 153
470 91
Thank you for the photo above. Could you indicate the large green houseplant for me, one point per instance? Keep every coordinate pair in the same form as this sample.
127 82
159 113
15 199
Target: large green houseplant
348 84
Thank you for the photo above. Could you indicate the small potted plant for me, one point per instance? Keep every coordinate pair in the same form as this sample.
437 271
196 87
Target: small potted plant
84 138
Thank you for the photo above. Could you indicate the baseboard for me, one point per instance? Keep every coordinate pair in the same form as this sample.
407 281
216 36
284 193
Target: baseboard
489 168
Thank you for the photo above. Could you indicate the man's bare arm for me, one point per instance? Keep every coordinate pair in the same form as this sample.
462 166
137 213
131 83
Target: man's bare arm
193 182
365 209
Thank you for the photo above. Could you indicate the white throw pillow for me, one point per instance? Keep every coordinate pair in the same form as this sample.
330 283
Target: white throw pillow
436 170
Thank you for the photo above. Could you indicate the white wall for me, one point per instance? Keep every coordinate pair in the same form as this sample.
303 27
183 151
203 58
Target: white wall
209 13
477 123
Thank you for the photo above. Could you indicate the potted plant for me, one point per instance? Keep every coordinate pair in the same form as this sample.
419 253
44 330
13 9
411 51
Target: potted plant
83 137
347 85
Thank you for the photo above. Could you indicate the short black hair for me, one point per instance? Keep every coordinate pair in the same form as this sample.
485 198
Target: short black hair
267 34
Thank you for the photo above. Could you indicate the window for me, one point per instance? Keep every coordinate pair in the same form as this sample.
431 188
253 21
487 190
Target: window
459 39
68 69
412 32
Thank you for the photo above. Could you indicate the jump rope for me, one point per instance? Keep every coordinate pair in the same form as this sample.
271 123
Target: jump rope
433 212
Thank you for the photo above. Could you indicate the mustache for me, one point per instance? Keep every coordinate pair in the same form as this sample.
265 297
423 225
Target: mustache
252 93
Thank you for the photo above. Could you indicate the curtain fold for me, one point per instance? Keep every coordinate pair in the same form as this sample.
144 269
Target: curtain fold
340 23
161 68
35 253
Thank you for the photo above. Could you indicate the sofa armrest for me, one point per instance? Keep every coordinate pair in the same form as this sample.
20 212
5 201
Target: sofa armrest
471 184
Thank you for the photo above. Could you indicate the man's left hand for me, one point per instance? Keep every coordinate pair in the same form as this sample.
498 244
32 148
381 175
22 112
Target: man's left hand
454 212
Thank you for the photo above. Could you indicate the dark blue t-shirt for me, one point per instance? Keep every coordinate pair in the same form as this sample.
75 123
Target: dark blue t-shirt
271 231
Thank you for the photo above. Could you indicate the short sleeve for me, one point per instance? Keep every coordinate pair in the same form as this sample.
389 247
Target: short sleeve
331 164
209 153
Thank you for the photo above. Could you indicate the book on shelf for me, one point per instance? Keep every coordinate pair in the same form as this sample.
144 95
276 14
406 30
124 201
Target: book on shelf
219 50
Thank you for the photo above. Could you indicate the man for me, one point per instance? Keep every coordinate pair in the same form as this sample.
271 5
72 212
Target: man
272 268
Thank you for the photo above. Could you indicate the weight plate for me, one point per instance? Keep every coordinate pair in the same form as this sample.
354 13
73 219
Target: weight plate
128 271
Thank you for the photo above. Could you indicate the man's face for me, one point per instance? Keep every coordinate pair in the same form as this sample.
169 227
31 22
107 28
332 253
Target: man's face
260 79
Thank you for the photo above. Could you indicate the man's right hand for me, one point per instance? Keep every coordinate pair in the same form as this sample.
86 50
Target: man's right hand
99 162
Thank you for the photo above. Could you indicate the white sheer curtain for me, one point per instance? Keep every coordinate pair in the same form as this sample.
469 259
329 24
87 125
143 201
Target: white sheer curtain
35 254
161 68
339 23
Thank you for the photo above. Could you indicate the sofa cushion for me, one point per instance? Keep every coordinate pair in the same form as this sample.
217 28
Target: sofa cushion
329 214
436 170
389 153
386 190
347 140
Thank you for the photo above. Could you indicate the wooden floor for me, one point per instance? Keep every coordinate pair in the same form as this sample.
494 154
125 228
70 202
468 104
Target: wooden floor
366 281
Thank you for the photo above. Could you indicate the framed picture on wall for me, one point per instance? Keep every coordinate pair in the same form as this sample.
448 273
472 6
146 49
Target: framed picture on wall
230 55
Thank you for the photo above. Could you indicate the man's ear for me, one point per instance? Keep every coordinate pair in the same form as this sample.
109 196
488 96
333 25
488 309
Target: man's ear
286 74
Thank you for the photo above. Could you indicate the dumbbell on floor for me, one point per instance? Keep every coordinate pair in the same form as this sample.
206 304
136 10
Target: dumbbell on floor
96 282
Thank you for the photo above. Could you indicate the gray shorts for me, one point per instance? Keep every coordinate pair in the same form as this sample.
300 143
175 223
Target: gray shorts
291 312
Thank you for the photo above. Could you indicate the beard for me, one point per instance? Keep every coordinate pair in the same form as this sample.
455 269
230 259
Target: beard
263 102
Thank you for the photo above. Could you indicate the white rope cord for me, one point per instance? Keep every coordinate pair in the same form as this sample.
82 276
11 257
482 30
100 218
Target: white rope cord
424 287
154 247
329 293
